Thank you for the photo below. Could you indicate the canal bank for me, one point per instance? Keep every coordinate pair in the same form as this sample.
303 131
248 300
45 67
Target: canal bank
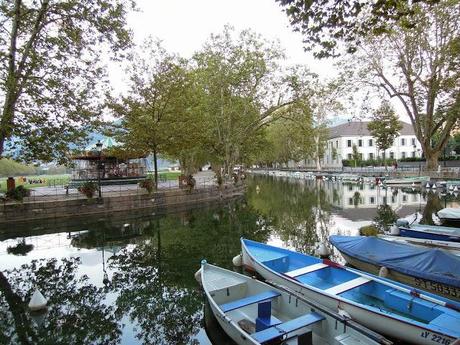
159 202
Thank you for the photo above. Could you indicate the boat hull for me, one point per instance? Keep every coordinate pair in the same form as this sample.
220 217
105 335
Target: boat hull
452 247
407 232
379 322
447 291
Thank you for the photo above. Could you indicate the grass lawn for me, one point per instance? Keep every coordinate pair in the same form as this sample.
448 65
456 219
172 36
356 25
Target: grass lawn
37 181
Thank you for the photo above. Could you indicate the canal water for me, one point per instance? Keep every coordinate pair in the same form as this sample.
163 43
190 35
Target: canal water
129 279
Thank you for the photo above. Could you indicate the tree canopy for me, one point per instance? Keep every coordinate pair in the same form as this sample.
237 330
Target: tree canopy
330 25
52 74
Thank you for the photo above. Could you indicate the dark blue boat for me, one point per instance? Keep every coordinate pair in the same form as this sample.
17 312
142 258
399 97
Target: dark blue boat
433 270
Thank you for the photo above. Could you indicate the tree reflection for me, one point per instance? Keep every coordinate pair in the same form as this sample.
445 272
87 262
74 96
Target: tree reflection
298 211
155 280
76 312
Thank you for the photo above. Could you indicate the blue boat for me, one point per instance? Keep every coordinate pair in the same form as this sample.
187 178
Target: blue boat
387 307
430 232
432 270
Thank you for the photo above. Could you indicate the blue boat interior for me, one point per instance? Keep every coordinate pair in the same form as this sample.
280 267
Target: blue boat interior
351 286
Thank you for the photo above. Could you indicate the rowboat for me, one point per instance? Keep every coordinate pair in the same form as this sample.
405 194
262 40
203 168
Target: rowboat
252 312
449 214
432 270
407 180
387 307
430 232
451 247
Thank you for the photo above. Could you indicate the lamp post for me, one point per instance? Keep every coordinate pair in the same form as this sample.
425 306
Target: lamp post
419 162
99 153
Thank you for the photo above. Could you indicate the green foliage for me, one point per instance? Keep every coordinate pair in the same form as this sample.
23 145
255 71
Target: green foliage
385 218
368 230
148 184
385 126
367 162
18 193
325 24
9 167
88 188
53 76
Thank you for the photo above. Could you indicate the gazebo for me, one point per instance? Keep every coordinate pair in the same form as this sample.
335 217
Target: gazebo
105 161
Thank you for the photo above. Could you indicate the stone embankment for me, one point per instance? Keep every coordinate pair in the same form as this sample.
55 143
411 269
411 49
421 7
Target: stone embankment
159 202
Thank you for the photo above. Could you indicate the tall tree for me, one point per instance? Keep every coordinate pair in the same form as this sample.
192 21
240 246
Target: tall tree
51 70
325 24
238 74
384 127
419 67
154 114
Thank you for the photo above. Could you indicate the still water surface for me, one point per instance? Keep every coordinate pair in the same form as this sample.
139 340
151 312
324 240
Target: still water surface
131 280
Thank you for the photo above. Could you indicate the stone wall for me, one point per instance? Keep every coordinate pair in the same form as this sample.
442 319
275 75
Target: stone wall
158 203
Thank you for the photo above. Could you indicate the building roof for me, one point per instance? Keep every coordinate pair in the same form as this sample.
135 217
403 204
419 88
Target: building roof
359 128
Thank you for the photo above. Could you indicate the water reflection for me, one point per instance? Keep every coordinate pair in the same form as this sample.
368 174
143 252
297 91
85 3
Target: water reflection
130 280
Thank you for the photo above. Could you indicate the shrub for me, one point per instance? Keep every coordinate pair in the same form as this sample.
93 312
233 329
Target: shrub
368 230
18 193
148 185
88 189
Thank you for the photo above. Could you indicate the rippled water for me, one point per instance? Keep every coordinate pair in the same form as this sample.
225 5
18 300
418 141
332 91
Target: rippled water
129 278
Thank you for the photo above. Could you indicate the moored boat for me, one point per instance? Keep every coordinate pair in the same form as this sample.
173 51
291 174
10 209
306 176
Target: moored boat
407 180
449 214
252 312
432 270
451 247
430 232
392 309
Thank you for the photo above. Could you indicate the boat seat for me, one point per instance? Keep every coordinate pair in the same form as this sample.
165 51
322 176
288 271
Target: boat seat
351 284
305 270
226 307
287 327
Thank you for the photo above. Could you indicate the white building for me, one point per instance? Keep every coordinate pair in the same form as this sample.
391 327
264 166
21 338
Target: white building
343 137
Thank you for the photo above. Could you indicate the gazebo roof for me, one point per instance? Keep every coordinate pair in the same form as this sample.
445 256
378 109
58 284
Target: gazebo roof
107 143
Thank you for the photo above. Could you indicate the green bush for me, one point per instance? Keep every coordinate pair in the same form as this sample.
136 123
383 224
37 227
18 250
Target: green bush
367 162
19 193
88 188
148 185
368 230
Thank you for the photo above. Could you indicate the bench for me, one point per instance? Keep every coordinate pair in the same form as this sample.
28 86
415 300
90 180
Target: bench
226 307
305 270
287 327
351 284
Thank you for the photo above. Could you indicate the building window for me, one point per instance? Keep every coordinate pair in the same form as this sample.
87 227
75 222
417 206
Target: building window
371 143
404 198
349 156
350 187
371 155
413 154
336 144
350 201
349 143
413 142
361 156
360 143
393 199
372 200
392 155
403 142
403 155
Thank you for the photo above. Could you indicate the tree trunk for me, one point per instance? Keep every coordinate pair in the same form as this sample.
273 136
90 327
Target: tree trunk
432 160
317 158
155 164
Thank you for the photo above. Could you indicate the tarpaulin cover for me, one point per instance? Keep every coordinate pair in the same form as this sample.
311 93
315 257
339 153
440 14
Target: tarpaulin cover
431 264
449 213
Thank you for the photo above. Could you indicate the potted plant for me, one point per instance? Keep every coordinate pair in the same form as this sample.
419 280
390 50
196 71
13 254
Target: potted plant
148 185
88 189
18 193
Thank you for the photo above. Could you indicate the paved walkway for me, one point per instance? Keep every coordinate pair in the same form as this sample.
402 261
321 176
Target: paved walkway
203 179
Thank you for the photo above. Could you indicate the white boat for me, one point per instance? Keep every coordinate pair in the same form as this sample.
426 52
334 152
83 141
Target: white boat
449 214
252 312
385 306
407 180
452 247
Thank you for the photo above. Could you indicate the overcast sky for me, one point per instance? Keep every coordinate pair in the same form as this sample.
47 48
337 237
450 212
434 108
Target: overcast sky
185 25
